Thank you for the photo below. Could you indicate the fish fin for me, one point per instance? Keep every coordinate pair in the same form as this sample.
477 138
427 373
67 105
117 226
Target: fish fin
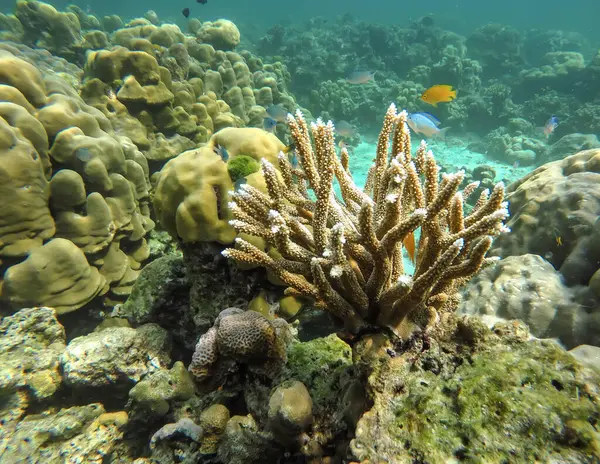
441 134
409 244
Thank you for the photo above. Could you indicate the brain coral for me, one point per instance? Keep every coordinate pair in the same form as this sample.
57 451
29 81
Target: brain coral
75 197
240 337
191 198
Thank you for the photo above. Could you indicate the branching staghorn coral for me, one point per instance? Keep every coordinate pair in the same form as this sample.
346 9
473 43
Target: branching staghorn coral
345 251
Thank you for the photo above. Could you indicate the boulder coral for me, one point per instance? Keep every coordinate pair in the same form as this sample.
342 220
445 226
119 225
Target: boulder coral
76 195
555 212
191 197
221 34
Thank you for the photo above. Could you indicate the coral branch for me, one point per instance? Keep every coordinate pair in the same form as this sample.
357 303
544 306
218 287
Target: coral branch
346 252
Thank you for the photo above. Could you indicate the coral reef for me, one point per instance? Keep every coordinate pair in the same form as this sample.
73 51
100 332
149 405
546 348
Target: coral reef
350 261
86 194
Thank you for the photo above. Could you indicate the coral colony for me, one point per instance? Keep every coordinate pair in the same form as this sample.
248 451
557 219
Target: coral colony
346 252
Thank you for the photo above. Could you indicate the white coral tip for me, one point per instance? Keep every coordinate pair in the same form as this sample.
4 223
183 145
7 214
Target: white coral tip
326 253
232 205
459 243
420 212
226 253
336 271
391 198
405 280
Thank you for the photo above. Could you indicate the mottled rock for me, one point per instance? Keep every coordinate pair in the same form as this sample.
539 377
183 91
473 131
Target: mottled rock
31 342
78 434
115 357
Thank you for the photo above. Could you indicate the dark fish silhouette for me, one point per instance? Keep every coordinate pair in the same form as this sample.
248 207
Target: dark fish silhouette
203 2
185 12
427 21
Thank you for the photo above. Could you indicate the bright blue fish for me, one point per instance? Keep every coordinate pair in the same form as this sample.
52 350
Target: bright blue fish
293 159
222 152
550 126
425 123
269 124
238 183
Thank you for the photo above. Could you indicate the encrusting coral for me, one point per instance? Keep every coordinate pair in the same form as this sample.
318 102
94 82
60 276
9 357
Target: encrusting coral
345 251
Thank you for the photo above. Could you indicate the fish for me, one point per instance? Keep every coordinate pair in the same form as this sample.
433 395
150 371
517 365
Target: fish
83 154
185 12
550 126
238 183
277 112
289 148
409 245
559 241
269 124
438 94
222 152
360 77
293 159
345 129
426 124
203 2
427 21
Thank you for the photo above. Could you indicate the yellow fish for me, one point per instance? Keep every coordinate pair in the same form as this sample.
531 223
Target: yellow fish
409 244
438 94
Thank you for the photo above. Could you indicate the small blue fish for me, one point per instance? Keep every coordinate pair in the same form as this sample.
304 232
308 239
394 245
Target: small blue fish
550 126
277 112
293 159
360 77
222 152
425 123
238 183
269 124
83 154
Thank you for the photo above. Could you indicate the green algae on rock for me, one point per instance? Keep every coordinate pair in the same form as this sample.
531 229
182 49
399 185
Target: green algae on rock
480 396
156 390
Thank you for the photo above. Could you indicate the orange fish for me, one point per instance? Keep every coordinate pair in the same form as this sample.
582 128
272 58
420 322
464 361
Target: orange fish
438 94
409 244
